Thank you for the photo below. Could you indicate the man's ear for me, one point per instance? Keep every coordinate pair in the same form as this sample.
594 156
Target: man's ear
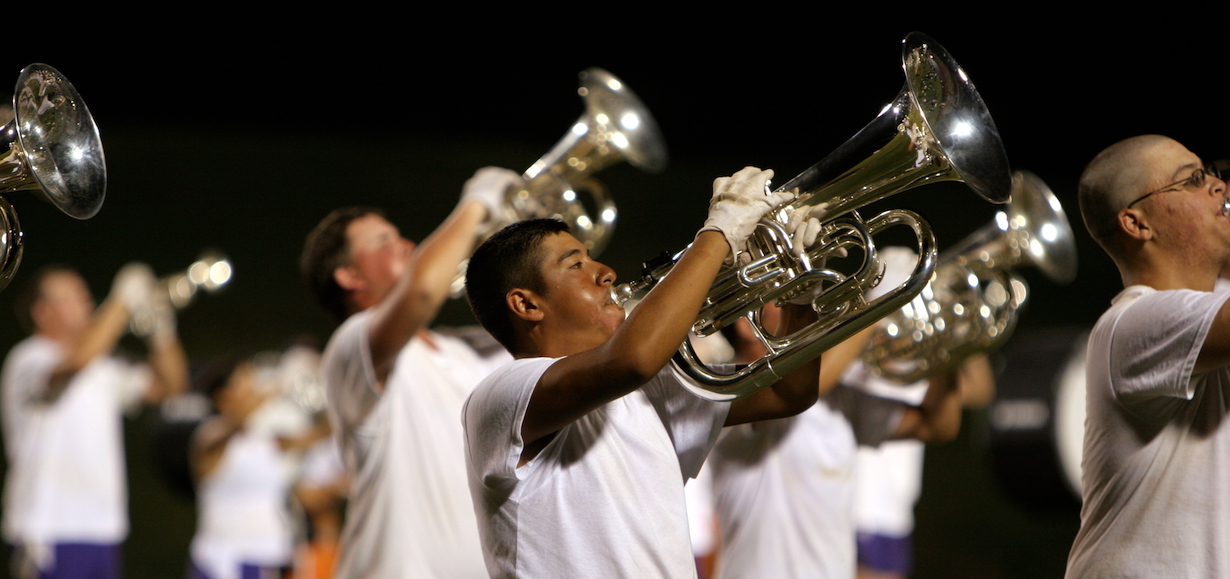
1135 224
524 304
346 277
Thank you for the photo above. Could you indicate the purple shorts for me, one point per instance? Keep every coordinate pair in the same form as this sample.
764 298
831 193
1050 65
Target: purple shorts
87 560
246 571
884 553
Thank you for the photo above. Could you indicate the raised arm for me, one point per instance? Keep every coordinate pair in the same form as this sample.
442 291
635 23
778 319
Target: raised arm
938 419
423 286
130 289
166 354
1215 352
646 340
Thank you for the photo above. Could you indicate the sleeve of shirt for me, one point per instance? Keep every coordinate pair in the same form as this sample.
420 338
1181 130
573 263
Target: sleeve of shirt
1156 341
694 423
492 418
349 374
872 418
27 370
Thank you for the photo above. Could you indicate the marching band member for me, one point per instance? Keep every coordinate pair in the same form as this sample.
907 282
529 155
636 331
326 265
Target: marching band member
395 388
244 466
579 449
66 504
1156 463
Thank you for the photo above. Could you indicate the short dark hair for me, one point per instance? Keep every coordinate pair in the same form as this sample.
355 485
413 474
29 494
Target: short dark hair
507 260
31 291
1109 182
326 249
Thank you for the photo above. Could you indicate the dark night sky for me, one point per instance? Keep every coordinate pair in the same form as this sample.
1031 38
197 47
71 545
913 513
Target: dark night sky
243 144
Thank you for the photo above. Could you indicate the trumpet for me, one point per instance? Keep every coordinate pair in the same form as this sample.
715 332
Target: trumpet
936 129
615 127
53 150
974 302
209 272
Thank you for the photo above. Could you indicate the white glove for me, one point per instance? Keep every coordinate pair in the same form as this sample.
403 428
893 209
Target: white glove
898 264
803 229
488 187
133 285
738 204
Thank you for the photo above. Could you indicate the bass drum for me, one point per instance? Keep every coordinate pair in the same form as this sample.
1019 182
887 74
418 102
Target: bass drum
1037 421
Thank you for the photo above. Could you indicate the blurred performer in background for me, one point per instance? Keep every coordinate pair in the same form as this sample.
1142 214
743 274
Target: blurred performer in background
1156 465
395 388
245 464
65 502
321 490
784 489
888 477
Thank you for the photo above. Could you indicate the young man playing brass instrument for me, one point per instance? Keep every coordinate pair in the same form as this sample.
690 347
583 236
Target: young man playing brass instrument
578 450
395 388
64 394
1156 463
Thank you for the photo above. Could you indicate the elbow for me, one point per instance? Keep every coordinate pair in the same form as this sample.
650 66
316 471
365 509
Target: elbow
805 399
425 294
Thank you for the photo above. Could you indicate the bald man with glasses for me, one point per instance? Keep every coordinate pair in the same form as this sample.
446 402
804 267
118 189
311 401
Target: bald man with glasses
1156 468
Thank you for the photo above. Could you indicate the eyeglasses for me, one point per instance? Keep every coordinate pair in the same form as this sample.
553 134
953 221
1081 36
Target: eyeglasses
1196 182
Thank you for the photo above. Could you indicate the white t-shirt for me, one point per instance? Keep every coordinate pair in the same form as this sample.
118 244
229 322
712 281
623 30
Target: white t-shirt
243 512
409 513
785 488
1156 465
889 477
66 480
605 497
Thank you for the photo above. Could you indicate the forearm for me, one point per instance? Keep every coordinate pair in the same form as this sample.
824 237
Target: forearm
835 360
794 392
976 380
940 412
424 285
169 364
639 348
661 321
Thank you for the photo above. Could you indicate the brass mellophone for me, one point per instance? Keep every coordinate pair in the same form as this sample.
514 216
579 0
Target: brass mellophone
53 150
937 129
974 301
209 273
615 127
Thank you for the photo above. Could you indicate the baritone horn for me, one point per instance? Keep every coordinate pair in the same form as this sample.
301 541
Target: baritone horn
209 273
974 301
615 127
53 150
937 129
